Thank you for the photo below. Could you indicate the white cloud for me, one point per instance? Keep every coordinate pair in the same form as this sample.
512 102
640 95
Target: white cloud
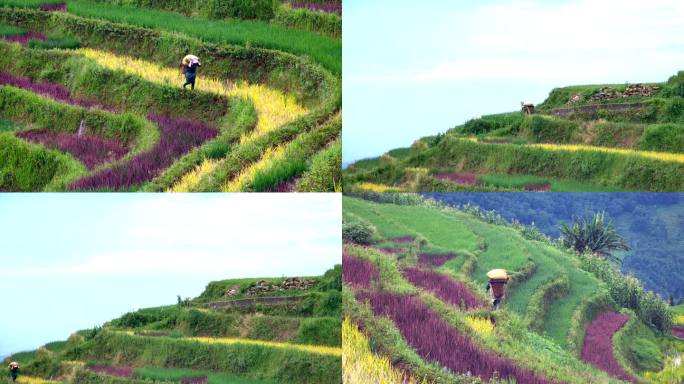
582 40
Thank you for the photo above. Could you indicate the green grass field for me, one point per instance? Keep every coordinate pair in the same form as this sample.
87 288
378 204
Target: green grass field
324 50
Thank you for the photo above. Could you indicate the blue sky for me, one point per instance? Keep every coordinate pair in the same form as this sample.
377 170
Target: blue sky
416 68
73 261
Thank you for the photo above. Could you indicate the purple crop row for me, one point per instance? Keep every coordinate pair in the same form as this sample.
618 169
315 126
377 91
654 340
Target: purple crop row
436 341
24 38
112 371
322 7
177 137
598 344
54 91
195 380
90 150
449 290
434 261
678 332
61 7
358 273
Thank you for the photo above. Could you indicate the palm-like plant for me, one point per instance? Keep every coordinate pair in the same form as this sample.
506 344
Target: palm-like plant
594 234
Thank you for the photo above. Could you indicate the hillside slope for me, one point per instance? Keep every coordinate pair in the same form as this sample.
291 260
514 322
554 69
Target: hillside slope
425 272
581 138
283 330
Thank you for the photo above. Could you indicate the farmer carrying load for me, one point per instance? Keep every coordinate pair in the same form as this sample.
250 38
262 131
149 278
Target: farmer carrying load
189 67
497 285
14 370
526 107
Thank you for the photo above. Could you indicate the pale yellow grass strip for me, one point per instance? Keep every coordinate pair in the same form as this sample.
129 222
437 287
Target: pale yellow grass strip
324 350
361 366
662 156
247 174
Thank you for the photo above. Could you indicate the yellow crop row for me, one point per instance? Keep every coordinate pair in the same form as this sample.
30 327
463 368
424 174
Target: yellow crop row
480 325
373 187
248 173
679 320
662 156
34 380
190 179
324 350
361 366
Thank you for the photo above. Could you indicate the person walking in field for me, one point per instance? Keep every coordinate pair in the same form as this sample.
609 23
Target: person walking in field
14 370
498 278
189 67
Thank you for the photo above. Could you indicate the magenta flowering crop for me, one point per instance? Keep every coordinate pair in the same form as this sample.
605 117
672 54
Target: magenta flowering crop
112 371
331 7
177 137
358 273
436 341
24 38
90 150
449 290
434 261
61 7
54 91
403 239
598 345
678 332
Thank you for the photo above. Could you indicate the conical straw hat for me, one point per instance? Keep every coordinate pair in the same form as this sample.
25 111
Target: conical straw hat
497 274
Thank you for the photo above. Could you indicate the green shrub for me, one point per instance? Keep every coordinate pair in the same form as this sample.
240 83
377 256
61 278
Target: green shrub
358 233
627 292
322 331
645 354
549 130
675 85
663 138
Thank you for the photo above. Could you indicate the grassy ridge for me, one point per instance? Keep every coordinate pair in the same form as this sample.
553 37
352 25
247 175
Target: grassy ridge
326 51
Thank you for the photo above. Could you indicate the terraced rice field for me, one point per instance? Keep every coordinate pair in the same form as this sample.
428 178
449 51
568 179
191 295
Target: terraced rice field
441 310
262 118
634 143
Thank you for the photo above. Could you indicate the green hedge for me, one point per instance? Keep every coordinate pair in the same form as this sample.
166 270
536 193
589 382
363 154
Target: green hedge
213 9
42 113
283 364
663 138
609 169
